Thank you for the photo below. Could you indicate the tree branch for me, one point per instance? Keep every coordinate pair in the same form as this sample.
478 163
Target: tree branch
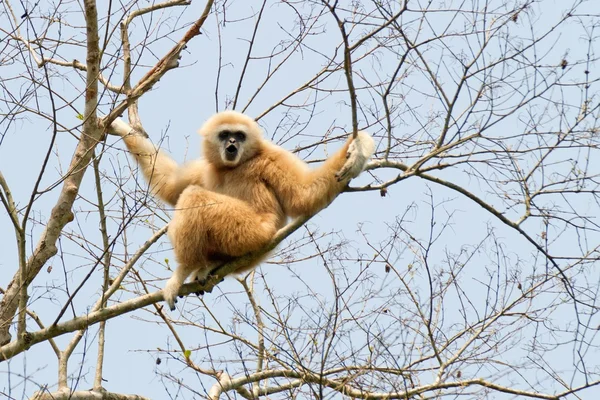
102 314
62 212
168 62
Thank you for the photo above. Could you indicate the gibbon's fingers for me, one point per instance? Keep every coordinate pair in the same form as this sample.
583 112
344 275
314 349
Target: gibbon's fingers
359 152
121 128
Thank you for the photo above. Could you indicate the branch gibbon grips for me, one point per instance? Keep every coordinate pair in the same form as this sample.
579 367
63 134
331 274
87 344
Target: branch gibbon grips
240 194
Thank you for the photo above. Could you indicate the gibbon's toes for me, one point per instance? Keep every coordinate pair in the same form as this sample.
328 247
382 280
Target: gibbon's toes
170 294
201 281
209 278
171 303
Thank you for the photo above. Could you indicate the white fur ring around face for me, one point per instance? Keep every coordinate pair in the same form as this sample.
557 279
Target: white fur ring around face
359 152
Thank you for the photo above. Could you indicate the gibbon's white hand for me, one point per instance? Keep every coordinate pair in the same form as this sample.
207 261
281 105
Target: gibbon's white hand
360 151
121 128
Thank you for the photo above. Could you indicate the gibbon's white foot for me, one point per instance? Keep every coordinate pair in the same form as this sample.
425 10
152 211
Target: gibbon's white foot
174 284
178 278
359 152
170 293
201 274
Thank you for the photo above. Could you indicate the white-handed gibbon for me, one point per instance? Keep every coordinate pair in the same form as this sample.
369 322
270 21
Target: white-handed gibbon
234 200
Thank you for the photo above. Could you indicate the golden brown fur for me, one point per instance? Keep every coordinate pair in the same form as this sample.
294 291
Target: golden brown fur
226 208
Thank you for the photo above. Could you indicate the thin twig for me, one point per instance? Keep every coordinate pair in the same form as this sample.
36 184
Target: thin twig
347 68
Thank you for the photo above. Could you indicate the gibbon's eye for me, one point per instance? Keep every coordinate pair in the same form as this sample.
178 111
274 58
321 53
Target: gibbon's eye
223 135
239 135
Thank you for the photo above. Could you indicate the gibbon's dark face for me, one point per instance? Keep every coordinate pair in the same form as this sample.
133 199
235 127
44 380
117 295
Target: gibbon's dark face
231 142
230 139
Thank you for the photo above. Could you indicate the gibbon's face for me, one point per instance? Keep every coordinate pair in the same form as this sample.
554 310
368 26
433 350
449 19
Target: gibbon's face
231 144
232 141
230 138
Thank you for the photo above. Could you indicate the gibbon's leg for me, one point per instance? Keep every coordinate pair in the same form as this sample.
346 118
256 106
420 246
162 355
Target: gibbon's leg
203 274
209 225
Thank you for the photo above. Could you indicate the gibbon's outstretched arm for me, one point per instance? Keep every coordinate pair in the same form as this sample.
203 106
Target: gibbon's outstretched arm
165 177
302 191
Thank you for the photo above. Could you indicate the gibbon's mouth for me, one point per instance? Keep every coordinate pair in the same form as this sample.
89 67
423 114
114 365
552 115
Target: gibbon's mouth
231 152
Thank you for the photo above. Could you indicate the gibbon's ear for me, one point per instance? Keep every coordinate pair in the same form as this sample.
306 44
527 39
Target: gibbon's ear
202 131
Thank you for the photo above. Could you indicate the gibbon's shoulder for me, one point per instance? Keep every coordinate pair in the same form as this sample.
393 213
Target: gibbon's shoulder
196 165
276 156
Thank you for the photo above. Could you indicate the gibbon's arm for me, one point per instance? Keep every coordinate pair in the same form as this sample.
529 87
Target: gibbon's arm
302 191
166 179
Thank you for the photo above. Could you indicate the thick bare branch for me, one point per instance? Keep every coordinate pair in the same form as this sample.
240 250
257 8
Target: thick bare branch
62 212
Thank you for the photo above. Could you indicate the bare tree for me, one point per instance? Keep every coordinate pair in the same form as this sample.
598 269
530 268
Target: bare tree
466 266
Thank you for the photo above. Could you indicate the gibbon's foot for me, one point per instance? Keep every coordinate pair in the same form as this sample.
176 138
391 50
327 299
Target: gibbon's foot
170 293
209 278
359 152
171 303
201 281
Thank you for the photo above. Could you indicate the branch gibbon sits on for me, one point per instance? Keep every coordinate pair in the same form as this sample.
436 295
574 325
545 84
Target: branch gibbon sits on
240 194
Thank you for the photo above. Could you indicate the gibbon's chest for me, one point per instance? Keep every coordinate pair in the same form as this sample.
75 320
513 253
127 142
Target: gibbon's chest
243 183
